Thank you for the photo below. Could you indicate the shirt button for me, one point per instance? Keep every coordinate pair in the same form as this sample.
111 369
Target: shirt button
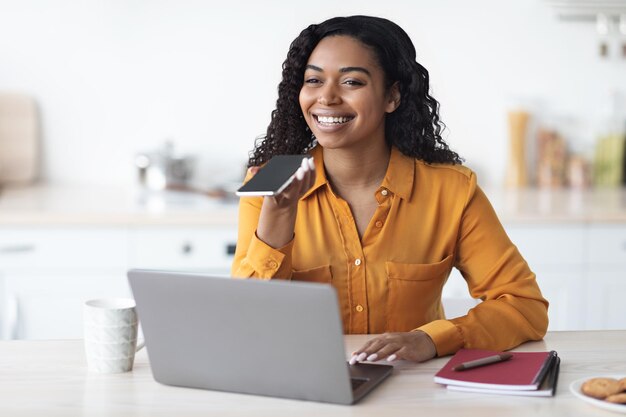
359 308
379 223
272 264
384 192
357 262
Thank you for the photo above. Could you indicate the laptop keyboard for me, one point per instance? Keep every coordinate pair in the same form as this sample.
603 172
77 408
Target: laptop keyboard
357 382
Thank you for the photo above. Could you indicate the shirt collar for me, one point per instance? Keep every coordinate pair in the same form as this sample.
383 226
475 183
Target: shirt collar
398 179
400 174
320 175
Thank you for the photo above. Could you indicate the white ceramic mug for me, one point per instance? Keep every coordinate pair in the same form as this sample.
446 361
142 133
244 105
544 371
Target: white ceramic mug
110 332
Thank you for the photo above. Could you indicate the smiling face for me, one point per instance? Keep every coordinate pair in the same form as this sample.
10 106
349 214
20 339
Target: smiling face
343 98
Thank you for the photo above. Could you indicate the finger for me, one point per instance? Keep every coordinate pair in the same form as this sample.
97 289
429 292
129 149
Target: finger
382 349
411 353
305 164
300 174
403 353
302 171
292 191
385 353
365 346
392 357
376 346
312 174
306 183
302 185
371 348
357 357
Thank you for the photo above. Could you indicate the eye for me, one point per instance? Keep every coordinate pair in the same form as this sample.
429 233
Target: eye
312 81
353 82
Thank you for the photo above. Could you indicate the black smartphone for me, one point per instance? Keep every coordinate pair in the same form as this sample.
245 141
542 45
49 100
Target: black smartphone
273 177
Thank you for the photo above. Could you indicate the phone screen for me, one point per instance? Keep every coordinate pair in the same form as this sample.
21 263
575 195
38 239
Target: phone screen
273 177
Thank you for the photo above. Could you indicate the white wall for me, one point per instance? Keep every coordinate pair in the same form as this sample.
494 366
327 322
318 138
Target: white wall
114 77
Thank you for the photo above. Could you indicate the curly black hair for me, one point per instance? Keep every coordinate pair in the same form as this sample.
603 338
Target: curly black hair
414 127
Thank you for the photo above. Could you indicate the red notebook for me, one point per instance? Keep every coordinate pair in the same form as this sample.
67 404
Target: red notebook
524 371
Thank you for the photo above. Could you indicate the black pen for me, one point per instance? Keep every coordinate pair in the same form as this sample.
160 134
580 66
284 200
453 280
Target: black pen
483 361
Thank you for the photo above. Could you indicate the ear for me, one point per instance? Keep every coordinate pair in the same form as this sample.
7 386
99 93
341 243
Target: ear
393 98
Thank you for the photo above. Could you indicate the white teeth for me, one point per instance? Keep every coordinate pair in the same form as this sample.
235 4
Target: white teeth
331 120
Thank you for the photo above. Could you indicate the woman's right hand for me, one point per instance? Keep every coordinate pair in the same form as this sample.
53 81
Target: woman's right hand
289 197
278 214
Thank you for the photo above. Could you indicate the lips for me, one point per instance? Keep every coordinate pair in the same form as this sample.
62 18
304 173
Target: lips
332 119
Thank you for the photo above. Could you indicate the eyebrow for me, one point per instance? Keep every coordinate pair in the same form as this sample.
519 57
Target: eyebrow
342 70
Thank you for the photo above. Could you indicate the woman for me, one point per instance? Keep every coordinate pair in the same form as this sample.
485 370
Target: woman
383 210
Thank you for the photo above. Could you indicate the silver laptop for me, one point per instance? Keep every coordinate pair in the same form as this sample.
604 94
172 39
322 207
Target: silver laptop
274 338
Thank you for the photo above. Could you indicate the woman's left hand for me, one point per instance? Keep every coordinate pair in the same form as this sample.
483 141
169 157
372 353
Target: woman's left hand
414 346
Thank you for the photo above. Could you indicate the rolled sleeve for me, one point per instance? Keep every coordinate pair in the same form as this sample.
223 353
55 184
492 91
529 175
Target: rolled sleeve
447 337
267 262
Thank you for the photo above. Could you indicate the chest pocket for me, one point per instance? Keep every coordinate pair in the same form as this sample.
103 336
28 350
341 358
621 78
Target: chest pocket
320 274
414 293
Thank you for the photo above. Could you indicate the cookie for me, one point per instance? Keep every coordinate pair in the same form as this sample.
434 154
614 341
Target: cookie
622 384
601 387
617 398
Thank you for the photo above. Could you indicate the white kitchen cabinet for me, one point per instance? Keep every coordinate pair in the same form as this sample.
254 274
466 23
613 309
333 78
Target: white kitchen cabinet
605 295
195 249
607 246
556 254
607 277
549 245
59 247
565 291
7 323
46 274
49 305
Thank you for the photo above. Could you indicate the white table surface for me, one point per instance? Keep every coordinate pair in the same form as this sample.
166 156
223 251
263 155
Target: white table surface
50 378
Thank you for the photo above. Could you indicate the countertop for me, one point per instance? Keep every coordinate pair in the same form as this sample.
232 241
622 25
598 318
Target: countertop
106 206
111 206
535 205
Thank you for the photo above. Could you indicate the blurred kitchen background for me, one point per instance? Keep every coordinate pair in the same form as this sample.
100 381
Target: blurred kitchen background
126 125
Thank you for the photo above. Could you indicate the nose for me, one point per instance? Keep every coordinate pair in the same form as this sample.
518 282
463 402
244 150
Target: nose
328 95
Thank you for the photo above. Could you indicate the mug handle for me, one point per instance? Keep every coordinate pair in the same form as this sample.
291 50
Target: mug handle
140 345
140 342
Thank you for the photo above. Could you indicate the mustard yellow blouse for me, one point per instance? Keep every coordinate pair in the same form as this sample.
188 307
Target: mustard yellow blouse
429 219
